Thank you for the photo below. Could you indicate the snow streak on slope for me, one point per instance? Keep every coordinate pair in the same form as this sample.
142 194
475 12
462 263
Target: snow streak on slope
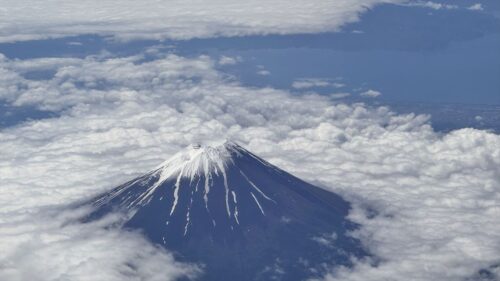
193 164
195 161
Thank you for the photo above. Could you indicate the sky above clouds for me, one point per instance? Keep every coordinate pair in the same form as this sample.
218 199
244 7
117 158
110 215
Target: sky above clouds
84 118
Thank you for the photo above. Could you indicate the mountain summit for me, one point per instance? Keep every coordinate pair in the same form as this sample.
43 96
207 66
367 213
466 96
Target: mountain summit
238 215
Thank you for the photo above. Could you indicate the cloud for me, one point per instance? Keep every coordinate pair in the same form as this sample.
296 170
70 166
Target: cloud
75 43
327 240
306 83
225 60
428 201
264 72
174 19
476 7
310 83
370 94
431 5
340 95
37 247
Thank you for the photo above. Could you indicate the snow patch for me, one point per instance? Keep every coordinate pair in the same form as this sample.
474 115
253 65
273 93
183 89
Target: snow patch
190 163
197 160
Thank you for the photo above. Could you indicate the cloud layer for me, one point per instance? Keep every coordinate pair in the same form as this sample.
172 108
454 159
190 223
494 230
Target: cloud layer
429 202
151 19
38 247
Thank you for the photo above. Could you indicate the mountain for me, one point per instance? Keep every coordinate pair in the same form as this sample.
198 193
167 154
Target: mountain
238 215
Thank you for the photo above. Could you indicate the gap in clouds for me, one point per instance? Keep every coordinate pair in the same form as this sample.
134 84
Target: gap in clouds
15 115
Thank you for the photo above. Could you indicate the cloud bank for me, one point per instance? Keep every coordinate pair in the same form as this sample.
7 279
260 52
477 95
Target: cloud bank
38 247
174 19
429 203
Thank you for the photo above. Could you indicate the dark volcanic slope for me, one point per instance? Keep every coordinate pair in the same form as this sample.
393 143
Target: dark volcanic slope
241 217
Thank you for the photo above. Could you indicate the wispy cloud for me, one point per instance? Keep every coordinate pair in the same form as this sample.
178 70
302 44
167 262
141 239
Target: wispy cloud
476 7
264 72
441 6
370 94
225 60
431 5
306 83
340 95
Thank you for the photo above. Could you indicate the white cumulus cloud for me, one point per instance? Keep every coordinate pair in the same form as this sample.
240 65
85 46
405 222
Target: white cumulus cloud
177 19
37 247
428 202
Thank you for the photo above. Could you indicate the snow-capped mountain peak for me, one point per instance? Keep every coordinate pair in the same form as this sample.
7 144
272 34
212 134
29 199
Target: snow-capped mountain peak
236 213
197 160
